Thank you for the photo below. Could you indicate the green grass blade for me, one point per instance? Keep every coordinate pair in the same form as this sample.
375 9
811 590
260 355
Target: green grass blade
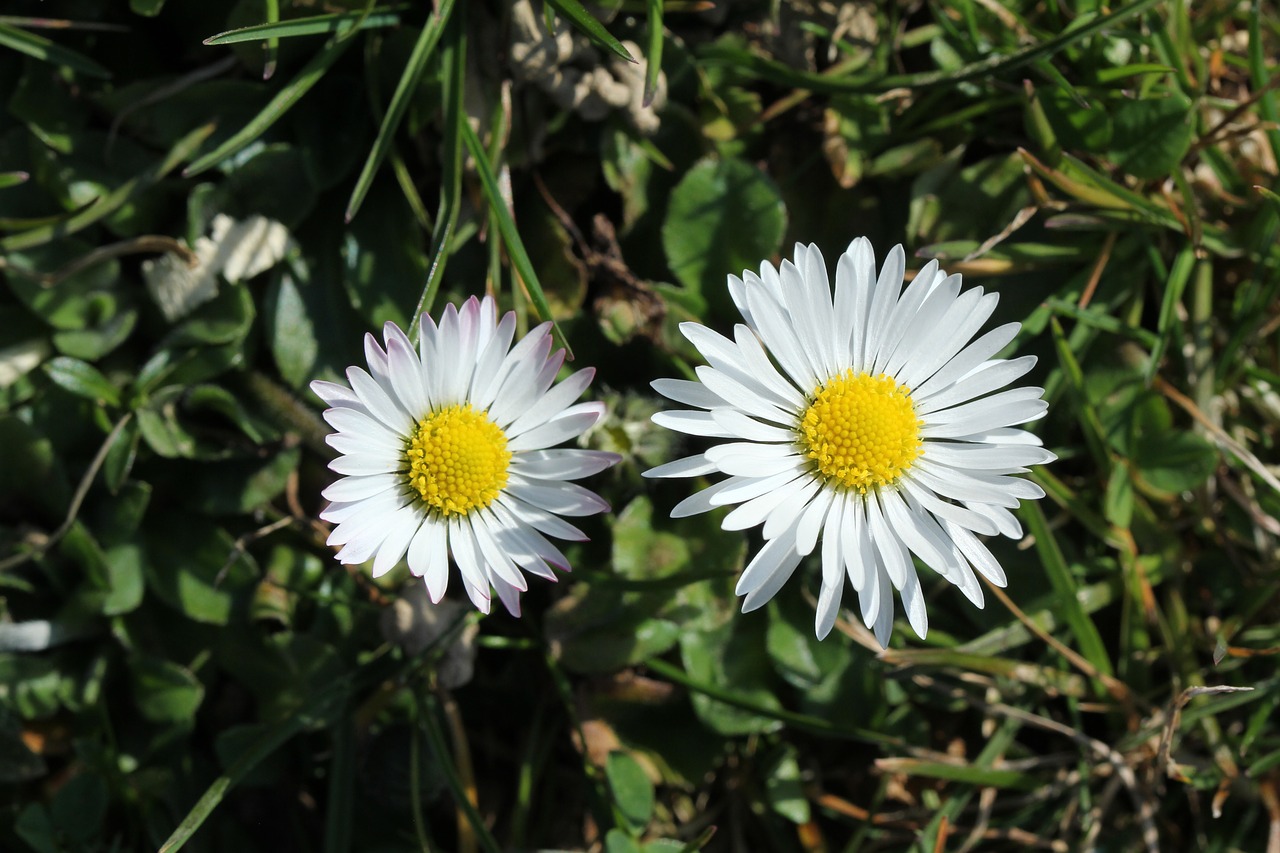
272 739
272 47
118 197
273 111
342 776
399 103
47 51
1094 434
510 236
445 762
1179 275
1066 589
453 59
12 179
386 16
653 57
577 15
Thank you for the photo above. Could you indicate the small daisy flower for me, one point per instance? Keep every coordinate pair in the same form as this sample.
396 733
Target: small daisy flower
867 424
447 449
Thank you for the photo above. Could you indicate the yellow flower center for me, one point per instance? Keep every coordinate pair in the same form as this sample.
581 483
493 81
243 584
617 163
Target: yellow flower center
457 460
861 431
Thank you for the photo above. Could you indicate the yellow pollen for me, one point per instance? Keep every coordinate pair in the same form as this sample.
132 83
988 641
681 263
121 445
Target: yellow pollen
861 431
457 460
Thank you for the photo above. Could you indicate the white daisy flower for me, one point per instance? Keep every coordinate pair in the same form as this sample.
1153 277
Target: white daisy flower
867 430
446 449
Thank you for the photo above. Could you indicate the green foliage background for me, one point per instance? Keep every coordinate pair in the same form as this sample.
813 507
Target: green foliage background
182 662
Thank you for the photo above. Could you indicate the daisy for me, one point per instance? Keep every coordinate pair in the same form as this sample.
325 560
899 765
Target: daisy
868 425
446 449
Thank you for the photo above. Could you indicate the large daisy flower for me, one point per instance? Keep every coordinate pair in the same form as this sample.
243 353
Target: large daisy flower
446 449
867 424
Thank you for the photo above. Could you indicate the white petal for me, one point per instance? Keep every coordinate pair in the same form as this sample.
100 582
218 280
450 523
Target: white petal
358 423
570 423
883 298
380 405
755 511
986 378
553 402
740 426
776 556
969 358
359 488
691 422
540 519
700 502
686 392
358 464
690 466
403 527
784 515
811 520
562 464
405 372
561 498
752 400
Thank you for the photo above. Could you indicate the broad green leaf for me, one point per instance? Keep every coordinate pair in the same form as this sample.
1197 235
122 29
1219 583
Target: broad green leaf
195 567
1151 135
632 791
784 787
165 692
126 583
112 202
80 807
731 657
83 380
725 216
1174 462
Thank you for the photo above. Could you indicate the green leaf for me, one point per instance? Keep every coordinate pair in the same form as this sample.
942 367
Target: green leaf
724 216
46 51
35 827
125 580
195 567
1174 462
275 108
146 8
731 657
165 692
632 791
594 30
400 100
783 785
80 807
118 197
83 380
1151 135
